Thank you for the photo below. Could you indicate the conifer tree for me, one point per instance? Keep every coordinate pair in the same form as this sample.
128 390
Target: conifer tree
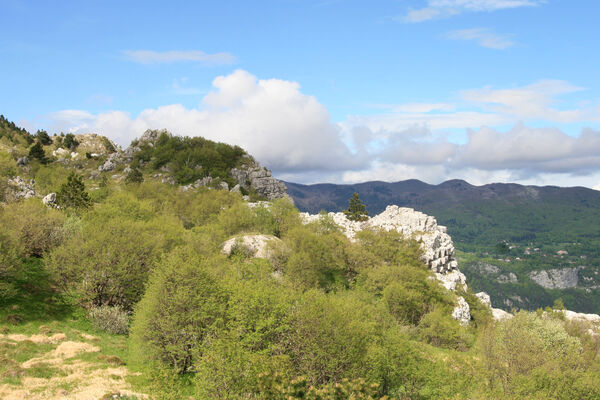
72 194
37 151
43 137
356 211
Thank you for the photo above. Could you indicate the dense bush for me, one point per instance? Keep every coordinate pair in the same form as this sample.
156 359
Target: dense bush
183 306
34 227
110 265
191 158
111 319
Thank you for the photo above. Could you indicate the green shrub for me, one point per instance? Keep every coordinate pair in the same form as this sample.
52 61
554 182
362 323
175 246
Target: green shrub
72 194
440 329
34 227
111 319
110 266
183 306
329 337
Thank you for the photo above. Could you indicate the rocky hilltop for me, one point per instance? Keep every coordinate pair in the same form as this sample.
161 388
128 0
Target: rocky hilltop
436 245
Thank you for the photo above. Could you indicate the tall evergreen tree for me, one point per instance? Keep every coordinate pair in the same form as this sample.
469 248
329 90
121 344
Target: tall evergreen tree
356 211
72 194
43 137
37 151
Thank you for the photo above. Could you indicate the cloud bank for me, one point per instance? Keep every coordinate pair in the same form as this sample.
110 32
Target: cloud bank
292 133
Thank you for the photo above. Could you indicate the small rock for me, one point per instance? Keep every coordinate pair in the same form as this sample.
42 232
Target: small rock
21 162
50 200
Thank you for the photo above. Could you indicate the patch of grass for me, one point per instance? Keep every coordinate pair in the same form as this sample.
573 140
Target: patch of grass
43 370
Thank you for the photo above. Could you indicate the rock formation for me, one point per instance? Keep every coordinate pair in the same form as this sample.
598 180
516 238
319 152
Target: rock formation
19 189
436 244
561 278
259 178
258 246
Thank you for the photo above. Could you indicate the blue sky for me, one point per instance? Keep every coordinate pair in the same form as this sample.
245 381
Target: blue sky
324 90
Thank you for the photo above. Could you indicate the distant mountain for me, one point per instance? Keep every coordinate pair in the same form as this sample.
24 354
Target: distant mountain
496 222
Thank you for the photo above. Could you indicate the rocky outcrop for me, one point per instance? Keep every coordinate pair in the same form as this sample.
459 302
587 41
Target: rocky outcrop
436 244
462 312
484 298
259 178
23 161
562 278
258 246
18 188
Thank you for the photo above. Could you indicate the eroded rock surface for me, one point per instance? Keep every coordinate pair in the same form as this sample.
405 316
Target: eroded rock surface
259 178
561 278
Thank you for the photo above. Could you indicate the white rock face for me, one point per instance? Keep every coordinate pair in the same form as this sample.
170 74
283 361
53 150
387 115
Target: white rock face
561 278
500 315
258 245
484 298
19 189
50 200
572 315
436 244
462 312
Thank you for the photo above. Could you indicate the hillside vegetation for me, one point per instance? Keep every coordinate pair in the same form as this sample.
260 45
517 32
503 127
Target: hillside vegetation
133 273
516 229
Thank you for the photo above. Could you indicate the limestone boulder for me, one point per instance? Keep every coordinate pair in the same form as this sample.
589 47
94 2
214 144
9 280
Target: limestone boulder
257 246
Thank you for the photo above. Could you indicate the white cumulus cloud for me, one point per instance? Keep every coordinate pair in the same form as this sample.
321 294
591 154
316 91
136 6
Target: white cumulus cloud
272 119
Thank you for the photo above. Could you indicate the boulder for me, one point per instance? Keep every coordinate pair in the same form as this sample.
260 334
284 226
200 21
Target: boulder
107 166
258 246
484 298
21 162
500 315
462 312
50 200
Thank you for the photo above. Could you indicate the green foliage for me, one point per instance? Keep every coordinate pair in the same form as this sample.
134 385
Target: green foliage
72 194
329 337
13 134
189 159
526 347
183 306
316 260
111 319
34 228
356 211
36 152
275 387
110 266
43 137
440 329
134 176
70 142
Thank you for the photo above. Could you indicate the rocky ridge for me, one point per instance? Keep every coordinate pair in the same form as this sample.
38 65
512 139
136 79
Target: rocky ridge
436 244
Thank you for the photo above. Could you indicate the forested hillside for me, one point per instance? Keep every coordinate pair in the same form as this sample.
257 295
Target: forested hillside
516 229
118 286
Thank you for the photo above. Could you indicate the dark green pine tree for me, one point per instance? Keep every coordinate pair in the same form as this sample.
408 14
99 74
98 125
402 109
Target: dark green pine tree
356 211
43 137
37 151
72 194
